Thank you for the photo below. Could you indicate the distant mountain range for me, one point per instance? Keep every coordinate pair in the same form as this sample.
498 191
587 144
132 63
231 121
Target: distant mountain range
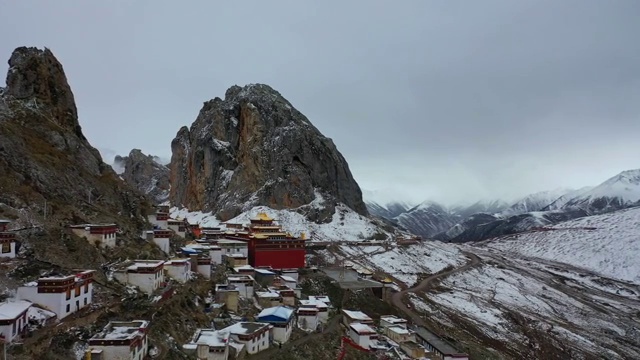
487 219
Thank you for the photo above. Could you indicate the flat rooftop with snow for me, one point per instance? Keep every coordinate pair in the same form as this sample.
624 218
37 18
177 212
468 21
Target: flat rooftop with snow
351 279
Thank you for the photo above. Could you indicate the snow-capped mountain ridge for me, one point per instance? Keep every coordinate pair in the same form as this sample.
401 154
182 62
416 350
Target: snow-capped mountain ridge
619 192
389 210
560 202
623 189
535 202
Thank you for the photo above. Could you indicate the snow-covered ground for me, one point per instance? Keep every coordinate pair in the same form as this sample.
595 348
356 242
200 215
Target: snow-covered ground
576 310
207 219
608 244
346 225
405 263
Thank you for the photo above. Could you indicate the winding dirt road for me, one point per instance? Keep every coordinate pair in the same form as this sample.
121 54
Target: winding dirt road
397 298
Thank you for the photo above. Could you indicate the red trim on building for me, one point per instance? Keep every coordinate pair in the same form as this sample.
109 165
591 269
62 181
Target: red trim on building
162 233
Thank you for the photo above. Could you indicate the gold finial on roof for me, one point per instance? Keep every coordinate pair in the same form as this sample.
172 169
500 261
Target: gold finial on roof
263 216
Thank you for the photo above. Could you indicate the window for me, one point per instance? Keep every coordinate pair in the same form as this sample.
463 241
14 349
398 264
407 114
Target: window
14 328
6 247
77 291
68 294
85 301
68 307
86 288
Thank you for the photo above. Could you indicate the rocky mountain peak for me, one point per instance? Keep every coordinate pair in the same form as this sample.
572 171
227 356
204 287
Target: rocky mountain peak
45 158
254 148
147 173
38 77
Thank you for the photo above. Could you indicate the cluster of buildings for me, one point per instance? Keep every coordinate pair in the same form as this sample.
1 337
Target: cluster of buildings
262 244
51 296
415 341
272 326
261 262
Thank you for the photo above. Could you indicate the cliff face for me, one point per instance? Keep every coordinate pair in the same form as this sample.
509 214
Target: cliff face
254 148
45 157
146 173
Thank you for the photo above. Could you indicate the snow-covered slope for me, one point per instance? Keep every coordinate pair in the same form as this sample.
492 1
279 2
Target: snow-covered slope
346 225
427 219
406 263
534 202
608 244
560 202
539 310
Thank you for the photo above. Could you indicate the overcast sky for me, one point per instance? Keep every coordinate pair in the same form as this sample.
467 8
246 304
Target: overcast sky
442 100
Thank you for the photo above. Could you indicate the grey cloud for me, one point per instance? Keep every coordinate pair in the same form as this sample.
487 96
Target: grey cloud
442 99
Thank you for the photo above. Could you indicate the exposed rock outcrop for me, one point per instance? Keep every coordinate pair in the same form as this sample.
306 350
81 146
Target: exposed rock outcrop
44 157
146 173
254 148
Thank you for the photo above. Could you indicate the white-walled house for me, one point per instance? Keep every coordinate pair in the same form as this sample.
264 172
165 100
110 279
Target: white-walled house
392 320
160 237
201 264
209 344
101 235
363 334
281 319
147 275
177 226
244 284
254 335
215 252
307 318
120 340
399 334
323 309
63 295
13 319
160 218
7 240
352 316
230 246
178 269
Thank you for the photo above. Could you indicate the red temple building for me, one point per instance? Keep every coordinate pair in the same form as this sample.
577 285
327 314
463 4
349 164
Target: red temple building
270 246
